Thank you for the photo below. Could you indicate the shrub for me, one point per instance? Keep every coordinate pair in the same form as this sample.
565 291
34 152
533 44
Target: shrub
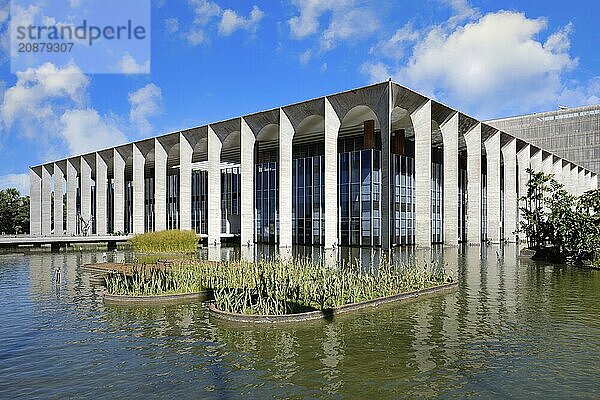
171 241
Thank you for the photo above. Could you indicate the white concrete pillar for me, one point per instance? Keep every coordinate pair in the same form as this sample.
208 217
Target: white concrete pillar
286 136
509 152
119 191
421 120
384 114
72 184
86 195
332 127
46 200
536 160
59 191
101 189
214 188
581 180
557 170
473 140
35 201
547 164
185 183
566 174
160 186
450 137
524 160
573 173
494 222
594 181
138 190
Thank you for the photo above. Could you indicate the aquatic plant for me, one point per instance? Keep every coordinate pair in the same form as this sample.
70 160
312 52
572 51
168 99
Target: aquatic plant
169 241
278 286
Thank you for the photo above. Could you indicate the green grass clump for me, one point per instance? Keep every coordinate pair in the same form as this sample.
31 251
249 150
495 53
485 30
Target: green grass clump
171 241
153 281
280 286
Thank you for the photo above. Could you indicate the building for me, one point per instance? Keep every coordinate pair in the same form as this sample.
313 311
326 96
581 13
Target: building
380 165
571 133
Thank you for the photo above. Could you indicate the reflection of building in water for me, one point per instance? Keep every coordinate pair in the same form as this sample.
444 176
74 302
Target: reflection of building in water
376 166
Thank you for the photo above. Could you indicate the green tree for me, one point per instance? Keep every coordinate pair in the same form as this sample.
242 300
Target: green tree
14 212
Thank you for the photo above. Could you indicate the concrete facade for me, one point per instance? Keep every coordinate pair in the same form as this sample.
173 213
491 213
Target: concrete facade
279 175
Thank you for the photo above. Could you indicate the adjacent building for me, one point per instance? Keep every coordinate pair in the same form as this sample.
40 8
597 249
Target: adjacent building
379 165
571 133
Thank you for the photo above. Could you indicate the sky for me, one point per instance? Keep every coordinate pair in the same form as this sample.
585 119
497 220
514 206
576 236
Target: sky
214 60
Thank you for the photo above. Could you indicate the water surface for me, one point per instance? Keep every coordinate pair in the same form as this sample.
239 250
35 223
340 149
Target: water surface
513 329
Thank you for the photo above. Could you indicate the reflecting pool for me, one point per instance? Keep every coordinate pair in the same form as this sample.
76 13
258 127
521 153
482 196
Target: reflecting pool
513 329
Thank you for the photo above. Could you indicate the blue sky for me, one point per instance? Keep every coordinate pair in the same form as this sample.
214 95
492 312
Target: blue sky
212 60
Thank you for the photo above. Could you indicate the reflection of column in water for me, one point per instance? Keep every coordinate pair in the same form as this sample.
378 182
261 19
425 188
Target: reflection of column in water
471 283
40 275
214 253
285 354
247 253
285 253
422 333
330 258
332 355
450 261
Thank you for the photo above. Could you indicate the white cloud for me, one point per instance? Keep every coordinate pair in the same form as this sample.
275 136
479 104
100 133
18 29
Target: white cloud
172 25
394 47
40 93
129 65
85 130
48 106
305 57
17 181
145 103
231 21
346 21
494 64
208 15
580 94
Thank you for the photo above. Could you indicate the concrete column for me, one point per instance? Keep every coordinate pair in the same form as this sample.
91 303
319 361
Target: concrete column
581 181
86 195
46 200
450 136
509 152
385 121
59 191
536 161
547 164
494 223
72 183
101 188
473 140
594 181
138 190
574 189
566 175
421 120
524 160
160 186
185 183
332 127
214 188
557 170
35 202
286 136
119 195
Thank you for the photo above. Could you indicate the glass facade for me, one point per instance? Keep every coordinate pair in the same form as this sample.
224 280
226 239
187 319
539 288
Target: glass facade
230 200
149 204
462 204
200 201
173 201
266 220
437 203
110 206
403 201
359 191
308 200
128 207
